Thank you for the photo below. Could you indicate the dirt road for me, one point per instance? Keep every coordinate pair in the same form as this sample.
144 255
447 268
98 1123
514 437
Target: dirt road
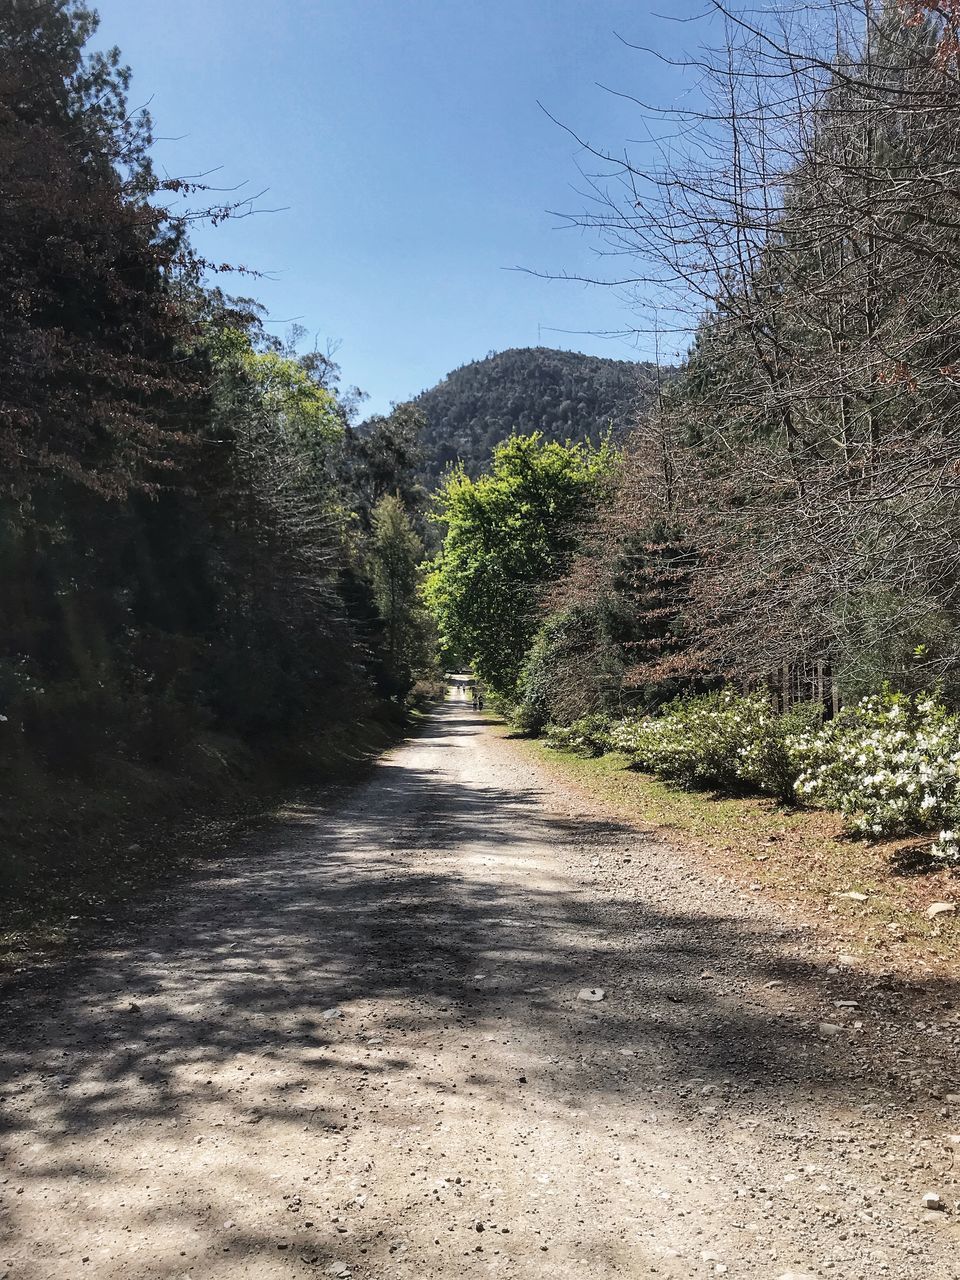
358 1047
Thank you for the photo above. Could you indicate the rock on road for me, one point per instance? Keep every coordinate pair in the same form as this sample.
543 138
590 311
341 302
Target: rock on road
359 1047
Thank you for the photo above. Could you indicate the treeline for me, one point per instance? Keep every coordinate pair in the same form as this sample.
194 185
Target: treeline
204 567
563 395
785 521
808 453
791 499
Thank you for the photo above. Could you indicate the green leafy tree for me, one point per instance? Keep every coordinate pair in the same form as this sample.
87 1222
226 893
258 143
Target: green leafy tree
509 534
380 457
394 560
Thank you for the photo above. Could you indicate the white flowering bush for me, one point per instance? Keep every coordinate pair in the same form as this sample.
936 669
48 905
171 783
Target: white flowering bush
588 736
946 847
890 764
724 740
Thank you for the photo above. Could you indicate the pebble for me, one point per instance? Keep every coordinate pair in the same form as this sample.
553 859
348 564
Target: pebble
591 993
932 1201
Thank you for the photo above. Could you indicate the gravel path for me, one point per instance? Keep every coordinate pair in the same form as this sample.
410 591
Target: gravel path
360 1048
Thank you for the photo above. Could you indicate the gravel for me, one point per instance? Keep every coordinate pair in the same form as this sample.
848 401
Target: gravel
355 1047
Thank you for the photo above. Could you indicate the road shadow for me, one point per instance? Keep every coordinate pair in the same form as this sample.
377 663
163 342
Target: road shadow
327 912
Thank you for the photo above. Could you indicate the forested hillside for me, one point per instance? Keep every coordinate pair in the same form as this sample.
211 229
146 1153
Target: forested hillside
562 394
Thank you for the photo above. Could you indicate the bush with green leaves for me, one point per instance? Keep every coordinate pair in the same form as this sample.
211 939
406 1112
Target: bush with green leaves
574 669
890 764
588 736
722 740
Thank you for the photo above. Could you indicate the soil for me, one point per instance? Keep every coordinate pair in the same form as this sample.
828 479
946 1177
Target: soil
458 1021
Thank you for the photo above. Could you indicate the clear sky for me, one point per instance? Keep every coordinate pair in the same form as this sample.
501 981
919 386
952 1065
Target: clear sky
411 167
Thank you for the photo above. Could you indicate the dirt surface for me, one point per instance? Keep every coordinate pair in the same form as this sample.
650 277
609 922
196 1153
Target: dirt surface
359 1047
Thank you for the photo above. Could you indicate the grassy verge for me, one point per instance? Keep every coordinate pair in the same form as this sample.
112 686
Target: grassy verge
799 858
76 852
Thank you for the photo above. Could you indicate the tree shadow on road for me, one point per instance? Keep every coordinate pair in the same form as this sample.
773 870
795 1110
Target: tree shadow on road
328 934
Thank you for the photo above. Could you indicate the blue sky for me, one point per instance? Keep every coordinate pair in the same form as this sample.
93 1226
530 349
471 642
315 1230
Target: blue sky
411 167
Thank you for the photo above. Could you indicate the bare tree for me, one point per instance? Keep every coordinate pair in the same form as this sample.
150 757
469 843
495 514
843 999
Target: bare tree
800 222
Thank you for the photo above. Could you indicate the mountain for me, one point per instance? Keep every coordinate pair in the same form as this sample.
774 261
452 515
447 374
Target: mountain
564 394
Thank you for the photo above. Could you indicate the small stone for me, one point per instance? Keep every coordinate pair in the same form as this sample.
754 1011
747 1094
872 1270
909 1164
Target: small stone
847 962
940 909
330 1014
932 1201
829 1029
853 896
591 993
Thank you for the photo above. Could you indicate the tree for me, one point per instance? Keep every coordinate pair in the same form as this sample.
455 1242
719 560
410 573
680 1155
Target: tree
801 228
394 557
509 534
383 456
186 598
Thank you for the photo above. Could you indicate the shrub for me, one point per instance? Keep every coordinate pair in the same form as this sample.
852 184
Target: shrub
946 847
572 670
588 736
768 758
426 690
889 764
723 740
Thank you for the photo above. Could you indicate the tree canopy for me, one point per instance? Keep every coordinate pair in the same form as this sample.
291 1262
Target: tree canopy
199 584
508 534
